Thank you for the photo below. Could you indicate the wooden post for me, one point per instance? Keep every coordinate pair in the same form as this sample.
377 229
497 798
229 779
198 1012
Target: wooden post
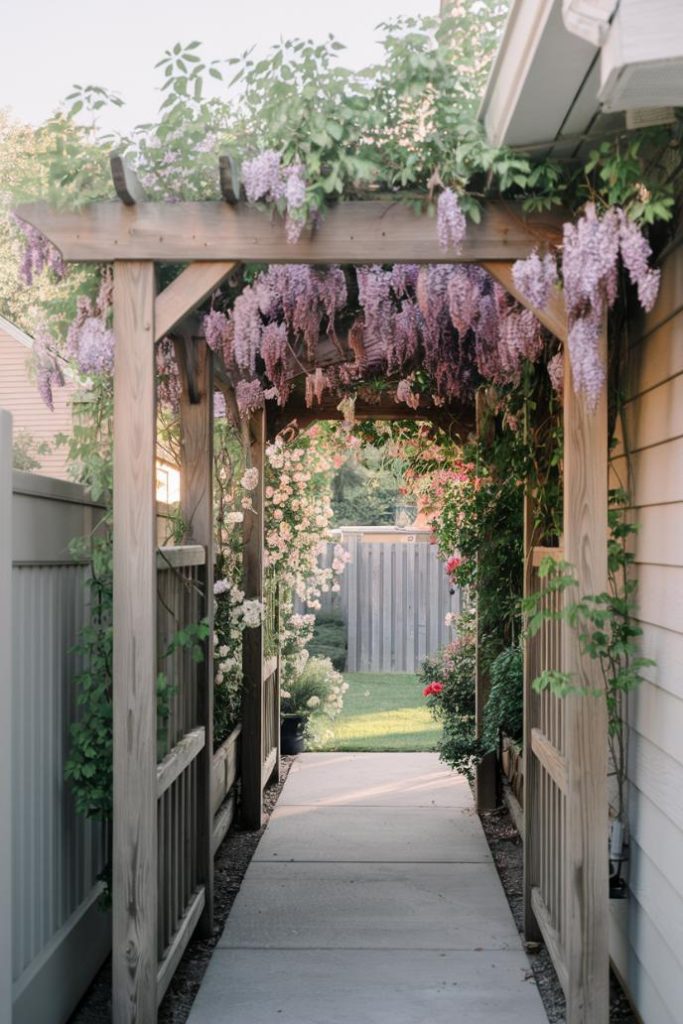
196 503
532 808
252 650
134 953
585 545
485 783
6 717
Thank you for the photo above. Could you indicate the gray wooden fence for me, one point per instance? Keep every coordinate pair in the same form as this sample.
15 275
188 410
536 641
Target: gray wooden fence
394 597
53 935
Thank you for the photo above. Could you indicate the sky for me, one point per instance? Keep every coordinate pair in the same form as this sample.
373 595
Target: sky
48 45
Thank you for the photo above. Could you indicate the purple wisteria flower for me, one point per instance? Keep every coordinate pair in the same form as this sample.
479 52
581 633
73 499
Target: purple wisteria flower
263 177
450 221
556 373
216 329
250 397
536 277
39 254
95 346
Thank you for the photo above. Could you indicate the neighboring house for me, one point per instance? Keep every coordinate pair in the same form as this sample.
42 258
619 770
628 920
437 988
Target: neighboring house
564 71
19 395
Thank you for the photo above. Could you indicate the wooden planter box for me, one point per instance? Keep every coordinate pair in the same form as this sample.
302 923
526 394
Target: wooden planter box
223 777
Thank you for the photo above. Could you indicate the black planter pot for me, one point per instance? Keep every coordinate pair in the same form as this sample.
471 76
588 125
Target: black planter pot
292 739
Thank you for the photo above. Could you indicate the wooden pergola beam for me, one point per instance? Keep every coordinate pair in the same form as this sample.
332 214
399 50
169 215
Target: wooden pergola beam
186 292
372 231
456 420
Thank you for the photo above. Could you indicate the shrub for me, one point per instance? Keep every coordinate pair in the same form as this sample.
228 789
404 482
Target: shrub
329 638
448 680
317 688
505 706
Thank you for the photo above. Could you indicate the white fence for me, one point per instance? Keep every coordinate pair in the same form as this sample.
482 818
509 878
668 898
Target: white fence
53 935
394 597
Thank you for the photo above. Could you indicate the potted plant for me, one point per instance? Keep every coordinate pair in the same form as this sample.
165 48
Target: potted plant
315 689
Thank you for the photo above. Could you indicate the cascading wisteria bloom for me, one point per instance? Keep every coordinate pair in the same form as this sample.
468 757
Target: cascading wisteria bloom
169 389
48 371
316 385
95 346
556 373
591 253
39 253
266 180
295 197
250 397
248 329
536 277
274 349
451 224
216 330
636 255
263 178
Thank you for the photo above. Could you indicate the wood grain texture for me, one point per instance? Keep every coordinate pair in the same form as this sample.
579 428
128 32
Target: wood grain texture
196 505
187 291
551 759
554 316
373 231
179 757
134 958
252 643
552 940
168 965
585 738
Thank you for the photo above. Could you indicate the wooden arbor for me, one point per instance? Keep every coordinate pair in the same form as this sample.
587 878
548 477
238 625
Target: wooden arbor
210 237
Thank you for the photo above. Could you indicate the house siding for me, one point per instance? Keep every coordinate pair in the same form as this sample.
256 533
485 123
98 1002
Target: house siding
647 928
19 395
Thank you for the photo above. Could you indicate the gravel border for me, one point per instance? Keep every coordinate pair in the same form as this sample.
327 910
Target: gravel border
231 863
508 854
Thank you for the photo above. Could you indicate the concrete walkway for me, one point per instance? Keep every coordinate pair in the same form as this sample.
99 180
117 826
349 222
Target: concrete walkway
372 899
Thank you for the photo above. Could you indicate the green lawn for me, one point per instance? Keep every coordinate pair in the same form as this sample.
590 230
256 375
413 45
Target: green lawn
383 712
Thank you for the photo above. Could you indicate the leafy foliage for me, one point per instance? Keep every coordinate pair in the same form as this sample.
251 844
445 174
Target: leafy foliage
504 710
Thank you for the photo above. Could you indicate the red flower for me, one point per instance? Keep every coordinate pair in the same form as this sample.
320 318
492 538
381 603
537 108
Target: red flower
432 689
453 563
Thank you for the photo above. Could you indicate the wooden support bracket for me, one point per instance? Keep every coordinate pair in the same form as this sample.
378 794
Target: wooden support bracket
186 292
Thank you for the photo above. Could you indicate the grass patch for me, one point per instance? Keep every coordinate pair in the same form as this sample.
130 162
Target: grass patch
383 712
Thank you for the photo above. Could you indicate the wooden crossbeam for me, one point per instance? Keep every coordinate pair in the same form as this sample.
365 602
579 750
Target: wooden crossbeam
126 182
363 231
186 292
554 317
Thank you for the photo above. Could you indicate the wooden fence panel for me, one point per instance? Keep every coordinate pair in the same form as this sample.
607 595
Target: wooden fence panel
394 598
181 743
59 935
545 783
